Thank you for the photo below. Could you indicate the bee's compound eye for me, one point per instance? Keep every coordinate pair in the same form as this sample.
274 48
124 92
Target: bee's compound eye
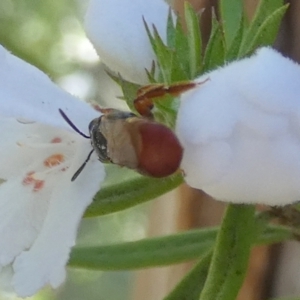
91 125
99 143
161 152
94 124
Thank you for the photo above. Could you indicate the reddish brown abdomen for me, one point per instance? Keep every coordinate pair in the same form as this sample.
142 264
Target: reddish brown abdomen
161 152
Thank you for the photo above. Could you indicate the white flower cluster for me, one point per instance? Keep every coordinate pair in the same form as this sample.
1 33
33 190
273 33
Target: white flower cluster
241 131
118 33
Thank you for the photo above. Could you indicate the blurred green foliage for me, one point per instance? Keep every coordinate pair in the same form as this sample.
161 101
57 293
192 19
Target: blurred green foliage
33 30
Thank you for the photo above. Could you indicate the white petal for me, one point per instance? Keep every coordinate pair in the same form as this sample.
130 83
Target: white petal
118 33
241 132
27 93
40 208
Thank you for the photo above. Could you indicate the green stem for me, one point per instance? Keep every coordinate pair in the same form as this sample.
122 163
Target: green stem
160 251
190 287
231 254
132 192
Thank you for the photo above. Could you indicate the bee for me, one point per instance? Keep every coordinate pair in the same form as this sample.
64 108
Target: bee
136 142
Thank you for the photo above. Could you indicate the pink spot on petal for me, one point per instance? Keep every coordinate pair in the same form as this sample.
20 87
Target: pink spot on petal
54 160
38 185
28 178
56 140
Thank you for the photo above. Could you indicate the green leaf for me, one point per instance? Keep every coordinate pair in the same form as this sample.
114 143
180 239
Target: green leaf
194 40
181 51
191 285
176 45
162 54
274 234
231 12
166 111
267 32
171 31
215 50
265 9
160 251
234 49
129 89
168 62
231 254
164 57
177 71
129 193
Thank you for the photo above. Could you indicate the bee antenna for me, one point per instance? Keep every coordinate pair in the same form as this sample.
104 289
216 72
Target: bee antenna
72 125
82 166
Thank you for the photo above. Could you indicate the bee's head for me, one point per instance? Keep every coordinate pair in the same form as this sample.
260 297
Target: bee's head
98 140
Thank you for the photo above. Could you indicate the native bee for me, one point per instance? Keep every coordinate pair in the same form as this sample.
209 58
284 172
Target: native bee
136 142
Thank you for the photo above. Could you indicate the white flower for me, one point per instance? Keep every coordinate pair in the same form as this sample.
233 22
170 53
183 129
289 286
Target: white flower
118 33
241 131
40 208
